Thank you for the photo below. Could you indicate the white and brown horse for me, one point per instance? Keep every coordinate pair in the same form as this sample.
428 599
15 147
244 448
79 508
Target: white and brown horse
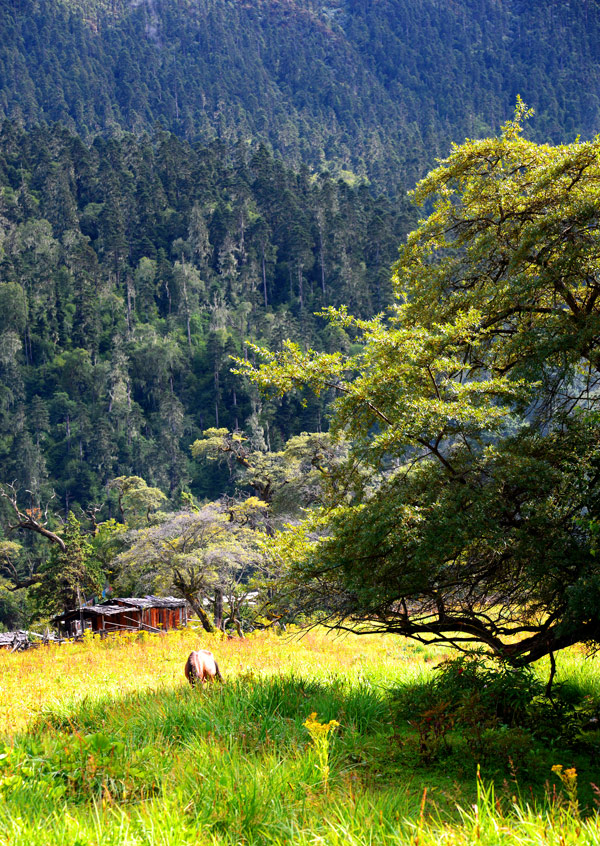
201 666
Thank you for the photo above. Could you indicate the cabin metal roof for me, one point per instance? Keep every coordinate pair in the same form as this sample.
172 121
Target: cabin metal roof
90 611
149 601
104 610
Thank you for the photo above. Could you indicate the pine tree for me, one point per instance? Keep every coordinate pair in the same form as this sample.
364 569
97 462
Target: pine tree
69 577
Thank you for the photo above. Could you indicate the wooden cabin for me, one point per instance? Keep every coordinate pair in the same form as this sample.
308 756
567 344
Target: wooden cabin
148 613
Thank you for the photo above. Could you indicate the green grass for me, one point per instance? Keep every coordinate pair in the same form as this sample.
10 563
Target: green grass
129 754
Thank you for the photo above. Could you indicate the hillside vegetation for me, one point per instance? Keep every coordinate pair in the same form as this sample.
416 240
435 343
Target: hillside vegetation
131 270
376 88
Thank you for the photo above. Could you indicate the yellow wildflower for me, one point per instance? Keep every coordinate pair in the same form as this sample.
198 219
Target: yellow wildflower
319 733
568 778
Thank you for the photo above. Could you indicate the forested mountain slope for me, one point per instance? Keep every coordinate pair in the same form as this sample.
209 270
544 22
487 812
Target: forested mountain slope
131 270
375 86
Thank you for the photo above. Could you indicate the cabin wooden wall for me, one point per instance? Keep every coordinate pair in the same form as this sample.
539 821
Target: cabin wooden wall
130 618
162 619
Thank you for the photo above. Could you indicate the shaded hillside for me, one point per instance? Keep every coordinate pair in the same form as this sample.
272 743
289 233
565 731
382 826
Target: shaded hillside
131 270
379 88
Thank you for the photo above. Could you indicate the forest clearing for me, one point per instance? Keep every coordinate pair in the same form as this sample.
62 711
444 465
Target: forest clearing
299 335
104 742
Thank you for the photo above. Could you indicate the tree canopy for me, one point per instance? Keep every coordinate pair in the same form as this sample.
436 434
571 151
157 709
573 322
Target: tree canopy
377 89
470 504
130 271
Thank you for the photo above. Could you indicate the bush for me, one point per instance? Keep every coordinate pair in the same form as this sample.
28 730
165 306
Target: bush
481 704
502 693
492 713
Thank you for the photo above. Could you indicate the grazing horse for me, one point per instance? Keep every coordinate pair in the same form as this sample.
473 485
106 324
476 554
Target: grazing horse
201 666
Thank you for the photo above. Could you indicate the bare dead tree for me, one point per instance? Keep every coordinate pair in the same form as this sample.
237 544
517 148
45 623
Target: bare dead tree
32 518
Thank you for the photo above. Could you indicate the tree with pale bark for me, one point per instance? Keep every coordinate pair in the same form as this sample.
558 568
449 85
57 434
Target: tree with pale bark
205 555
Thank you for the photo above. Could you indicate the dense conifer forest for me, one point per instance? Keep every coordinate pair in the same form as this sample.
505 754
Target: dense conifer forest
131 270
149 225
378 88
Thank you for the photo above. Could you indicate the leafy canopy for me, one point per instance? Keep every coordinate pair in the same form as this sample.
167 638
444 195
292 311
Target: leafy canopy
285 481
197 553
470 500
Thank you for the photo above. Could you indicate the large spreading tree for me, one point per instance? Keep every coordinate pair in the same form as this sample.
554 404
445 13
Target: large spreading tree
468 509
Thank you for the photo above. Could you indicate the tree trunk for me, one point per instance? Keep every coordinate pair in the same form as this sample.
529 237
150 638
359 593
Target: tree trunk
219 608
264 278
300 287
322 260
551 677
187 305
202 615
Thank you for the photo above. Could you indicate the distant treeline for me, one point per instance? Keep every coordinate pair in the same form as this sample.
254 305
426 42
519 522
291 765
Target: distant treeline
131 270
379 88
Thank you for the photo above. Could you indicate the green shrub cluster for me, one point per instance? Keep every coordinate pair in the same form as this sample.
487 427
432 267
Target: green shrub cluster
498 716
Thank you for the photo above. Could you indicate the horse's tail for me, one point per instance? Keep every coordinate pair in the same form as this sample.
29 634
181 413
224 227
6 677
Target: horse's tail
218 673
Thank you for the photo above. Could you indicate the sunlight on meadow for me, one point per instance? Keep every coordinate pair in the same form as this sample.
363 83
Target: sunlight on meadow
58 677
311 740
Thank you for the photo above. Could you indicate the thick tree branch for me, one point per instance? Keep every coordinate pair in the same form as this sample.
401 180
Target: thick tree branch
31 519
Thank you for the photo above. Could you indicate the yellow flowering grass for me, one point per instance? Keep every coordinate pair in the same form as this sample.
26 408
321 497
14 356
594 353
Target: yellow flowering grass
104 742
59 677
319 733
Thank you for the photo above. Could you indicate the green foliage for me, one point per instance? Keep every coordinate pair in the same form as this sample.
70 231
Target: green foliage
106 543
136 500
287 481
470 691
70 576
504 691
494 715
467 509
14 610
365 89
79 767
125 288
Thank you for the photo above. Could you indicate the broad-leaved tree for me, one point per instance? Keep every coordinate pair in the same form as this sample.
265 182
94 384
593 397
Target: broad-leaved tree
471 506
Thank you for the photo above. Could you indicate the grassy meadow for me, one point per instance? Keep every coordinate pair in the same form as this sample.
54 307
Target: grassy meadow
104 742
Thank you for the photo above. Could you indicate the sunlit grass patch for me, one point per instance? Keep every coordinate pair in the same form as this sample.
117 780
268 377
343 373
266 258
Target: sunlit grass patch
105 742
56 678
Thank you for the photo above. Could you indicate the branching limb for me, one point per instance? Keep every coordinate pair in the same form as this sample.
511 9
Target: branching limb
31 518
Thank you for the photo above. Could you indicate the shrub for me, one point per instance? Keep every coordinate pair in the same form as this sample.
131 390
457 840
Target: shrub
502 692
